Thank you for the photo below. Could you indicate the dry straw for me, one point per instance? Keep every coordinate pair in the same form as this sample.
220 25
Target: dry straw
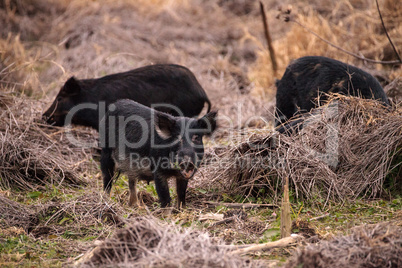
76 217
33 156
13 213
353 25
346 150
377 245
146 242
79 216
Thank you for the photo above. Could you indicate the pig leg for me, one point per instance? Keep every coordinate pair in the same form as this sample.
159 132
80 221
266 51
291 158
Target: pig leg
286 94
162 189
132 185
285 109
181 187
107 167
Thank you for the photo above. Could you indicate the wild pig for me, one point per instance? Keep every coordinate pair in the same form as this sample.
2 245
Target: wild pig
146 144
173 87
309 78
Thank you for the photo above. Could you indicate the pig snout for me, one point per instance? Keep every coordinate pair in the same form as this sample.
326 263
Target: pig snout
187 167
48 119
52 119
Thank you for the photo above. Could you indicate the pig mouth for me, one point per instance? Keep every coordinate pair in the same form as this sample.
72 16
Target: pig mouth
187 169
48 119
51 121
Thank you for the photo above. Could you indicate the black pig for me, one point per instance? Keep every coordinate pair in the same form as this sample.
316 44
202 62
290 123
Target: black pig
307 78
173 86
150 145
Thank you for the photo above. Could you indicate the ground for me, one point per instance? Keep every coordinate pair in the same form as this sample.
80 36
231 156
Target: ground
44 43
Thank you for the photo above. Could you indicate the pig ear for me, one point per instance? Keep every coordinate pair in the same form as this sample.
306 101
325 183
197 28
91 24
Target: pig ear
207 123
71 87
164 125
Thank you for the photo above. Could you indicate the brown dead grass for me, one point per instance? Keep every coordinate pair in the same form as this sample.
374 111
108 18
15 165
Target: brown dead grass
15 63
351 24
345 152
77 217
376 245
224 47
146 242
34 156
14 214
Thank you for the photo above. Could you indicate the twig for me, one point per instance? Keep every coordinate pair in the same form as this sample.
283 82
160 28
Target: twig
227 220
239 205
284 242
269 40
319 217
386 32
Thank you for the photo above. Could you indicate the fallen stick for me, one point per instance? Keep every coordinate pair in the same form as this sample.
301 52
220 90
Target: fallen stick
319 217
211 216
240 205
227 220
281 243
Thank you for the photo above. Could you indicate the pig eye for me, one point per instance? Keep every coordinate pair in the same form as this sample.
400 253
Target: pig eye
59 99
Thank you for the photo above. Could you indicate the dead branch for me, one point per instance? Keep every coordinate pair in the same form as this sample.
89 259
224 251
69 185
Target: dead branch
147 241
269 40
386 32
211 216
281 243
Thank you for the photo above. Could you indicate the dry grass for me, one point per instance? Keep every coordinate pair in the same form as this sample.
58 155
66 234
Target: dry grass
345 151
45 42
14 66
13 214
351 24
377 245
148 243
34 156
90 213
